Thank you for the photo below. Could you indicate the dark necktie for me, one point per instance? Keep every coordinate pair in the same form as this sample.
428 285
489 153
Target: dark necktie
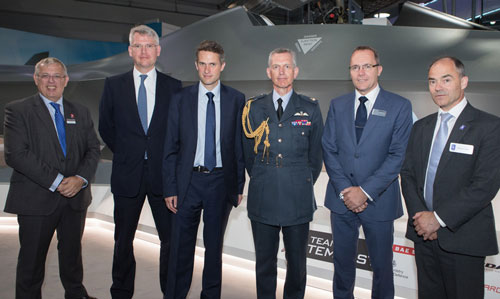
61 131
360 121
435 156
210 159
280 108
142 104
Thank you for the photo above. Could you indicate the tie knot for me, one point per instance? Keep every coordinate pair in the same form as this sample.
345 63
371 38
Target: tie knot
280 101
445 117
143 77
362 100
56 106
210 96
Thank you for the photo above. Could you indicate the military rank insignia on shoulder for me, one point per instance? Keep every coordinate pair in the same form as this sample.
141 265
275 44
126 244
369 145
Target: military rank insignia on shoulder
306 98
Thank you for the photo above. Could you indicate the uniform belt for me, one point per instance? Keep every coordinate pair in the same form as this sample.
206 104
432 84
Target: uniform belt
205 170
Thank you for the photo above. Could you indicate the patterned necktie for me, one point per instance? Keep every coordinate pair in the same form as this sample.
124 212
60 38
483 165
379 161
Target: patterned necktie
61 131
360 121
142 104
210 159
280 108
436 152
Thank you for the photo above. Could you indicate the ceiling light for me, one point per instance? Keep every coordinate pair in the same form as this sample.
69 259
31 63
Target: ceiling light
382 15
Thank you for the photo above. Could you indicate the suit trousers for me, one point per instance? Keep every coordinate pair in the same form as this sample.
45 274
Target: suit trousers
206 192
127 211
446 275
379 237
266 238
35 235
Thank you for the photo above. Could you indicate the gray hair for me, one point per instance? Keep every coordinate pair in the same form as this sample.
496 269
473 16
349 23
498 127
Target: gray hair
280 51
47 61
143 30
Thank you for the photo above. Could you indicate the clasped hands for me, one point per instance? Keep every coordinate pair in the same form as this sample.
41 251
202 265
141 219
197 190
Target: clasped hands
426 225
354 199
70 186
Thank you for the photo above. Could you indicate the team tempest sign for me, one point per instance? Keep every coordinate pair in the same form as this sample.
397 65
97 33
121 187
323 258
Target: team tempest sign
320 247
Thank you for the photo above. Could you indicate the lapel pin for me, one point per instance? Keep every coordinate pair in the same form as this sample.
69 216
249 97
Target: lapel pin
462 127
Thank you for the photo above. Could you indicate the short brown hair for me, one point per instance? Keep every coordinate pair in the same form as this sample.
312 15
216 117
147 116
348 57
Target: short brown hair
211 46
368 48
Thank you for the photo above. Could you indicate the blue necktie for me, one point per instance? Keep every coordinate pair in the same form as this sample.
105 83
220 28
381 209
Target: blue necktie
61 131
360 121
436 152
210 159
142 104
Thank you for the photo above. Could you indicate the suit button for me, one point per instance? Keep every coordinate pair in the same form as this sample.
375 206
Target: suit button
352 175
308 179
356 156
280 125
279 140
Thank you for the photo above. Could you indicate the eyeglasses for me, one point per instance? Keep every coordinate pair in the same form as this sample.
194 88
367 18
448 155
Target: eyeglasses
46 77
146 46
365 67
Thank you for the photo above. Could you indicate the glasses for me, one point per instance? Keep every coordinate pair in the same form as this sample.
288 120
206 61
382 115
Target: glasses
146 46
46 77
365 67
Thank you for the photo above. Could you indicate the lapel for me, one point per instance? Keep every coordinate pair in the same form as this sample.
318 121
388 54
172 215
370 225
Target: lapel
381 103
293 105
130 101
460 128
159 94
426 140
224 106
69 113
43 114
347 112
269 110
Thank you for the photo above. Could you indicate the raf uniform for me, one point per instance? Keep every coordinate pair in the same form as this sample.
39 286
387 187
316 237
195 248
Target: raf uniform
282 174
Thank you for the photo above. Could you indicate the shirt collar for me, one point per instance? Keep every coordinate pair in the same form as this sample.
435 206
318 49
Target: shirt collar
285 98
151 73
203 90
47 101
457 110
371 96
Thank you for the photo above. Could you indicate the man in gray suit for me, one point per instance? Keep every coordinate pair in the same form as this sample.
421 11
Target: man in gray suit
53 148
283 169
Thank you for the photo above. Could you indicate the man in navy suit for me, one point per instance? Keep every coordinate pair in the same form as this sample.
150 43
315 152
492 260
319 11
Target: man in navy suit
364 143
449 178
203 169
132 123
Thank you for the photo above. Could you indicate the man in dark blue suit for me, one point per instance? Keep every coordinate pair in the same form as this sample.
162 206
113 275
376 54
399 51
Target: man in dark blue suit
449 178
132 123
203 169
364 143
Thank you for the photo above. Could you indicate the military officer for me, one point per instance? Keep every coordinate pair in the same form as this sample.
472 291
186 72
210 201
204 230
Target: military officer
282 146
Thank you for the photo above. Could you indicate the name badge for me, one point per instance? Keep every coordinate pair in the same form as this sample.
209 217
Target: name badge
461 148
71 121
378 112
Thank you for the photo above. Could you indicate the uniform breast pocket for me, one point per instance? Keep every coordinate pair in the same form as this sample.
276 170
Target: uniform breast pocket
300 136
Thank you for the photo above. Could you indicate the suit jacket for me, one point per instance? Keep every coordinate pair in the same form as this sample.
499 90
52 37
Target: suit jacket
32 149
464 186
121 129
373 163
281 185
181 142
